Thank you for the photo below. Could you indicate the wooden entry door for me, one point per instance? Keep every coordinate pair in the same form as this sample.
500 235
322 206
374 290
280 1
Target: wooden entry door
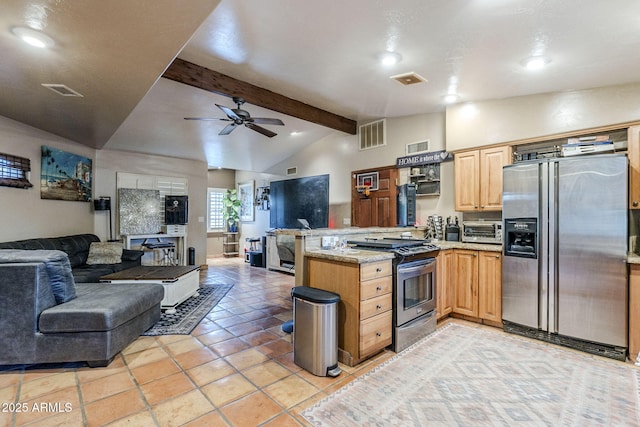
379 208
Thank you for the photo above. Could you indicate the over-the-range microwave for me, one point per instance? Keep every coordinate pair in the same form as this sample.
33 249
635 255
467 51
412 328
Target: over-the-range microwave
482 232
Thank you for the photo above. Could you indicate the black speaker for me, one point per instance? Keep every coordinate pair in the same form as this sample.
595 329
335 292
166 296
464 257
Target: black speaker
176 210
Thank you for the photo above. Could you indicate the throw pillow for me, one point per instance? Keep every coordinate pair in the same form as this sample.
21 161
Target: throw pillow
57 267
105 253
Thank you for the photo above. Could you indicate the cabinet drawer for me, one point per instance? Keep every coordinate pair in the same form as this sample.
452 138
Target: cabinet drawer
375 333
374 306
374 270
375 288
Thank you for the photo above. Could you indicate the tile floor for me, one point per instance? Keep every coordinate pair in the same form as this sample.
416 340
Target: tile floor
235 369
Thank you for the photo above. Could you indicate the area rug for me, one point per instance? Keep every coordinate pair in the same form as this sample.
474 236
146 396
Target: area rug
466 376
189 313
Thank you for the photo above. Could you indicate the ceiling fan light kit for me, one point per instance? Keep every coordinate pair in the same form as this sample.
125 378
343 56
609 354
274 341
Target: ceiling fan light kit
237 116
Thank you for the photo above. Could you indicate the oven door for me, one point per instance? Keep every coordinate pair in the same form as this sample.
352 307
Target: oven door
415 290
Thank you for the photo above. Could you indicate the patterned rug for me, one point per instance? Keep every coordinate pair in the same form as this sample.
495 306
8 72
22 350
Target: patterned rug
465 376
190 312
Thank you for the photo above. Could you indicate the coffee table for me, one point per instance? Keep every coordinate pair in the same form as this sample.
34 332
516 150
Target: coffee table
180 282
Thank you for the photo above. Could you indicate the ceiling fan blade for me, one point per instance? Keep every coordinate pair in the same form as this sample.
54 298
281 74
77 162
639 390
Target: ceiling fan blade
265 121
259 129
207 119
229 112
227 129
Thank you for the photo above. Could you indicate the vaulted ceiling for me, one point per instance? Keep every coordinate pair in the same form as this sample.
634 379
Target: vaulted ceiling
314 65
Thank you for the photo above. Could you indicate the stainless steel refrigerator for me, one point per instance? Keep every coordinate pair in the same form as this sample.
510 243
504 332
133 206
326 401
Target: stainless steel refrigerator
565 248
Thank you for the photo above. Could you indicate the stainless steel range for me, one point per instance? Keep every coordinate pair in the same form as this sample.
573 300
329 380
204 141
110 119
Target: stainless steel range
414 287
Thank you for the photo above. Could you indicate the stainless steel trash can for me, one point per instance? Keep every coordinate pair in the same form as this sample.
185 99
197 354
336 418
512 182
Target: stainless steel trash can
315 330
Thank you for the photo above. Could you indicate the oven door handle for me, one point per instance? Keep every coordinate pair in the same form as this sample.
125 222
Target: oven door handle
408 270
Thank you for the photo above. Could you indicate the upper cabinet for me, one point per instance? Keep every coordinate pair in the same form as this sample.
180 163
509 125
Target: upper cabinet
478 178
633 152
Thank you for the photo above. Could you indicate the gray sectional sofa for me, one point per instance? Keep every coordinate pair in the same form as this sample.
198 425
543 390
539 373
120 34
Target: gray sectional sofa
77 248
48 318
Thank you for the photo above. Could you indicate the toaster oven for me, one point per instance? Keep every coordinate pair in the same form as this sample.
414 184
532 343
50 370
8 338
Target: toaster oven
482 232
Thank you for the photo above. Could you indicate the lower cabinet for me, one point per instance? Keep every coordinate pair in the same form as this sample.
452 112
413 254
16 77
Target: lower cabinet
365 307
634 311
476 282
444 290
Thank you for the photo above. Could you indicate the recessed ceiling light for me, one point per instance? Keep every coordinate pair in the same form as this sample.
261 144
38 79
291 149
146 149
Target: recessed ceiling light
536 62
389 58
294 133
33 37
451 98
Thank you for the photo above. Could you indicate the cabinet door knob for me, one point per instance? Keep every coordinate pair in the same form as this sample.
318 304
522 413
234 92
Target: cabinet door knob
475 254
498 256
378 306
378 288
378 334
378 270
635 203
482 206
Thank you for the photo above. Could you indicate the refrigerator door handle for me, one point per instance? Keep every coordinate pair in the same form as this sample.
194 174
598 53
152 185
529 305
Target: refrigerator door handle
552 248
543 249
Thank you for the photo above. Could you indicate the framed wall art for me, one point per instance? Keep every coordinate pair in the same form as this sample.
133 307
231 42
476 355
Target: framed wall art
65 176
246 195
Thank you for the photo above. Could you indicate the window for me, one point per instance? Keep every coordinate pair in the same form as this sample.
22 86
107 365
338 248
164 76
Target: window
14 170
215 221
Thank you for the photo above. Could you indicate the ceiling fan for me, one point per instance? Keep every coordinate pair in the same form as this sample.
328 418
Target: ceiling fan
239 117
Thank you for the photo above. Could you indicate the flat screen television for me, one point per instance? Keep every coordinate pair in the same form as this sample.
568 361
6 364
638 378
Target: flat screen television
300 198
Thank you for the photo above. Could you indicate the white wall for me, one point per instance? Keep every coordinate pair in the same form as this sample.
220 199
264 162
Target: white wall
24 215
109 162
511 119
338 155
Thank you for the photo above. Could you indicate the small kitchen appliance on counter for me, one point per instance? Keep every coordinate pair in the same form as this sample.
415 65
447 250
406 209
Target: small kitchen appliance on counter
452 230
482 232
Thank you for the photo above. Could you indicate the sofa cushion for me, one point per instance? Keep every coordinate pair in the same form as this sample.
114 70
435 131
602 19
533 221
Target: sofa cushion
105 253
57 267
101 307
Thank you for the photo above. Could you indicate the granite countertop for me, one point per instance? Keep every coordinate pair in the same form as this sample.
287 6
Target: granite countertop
356 256
443 244
347 231
633 258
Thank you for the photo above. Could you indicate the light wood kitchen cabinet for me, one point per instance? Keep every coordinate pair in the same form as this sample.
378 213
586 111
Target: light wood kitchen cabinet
478 178
477 283
465 282
634 311
365 307
633 153
444 291
490 286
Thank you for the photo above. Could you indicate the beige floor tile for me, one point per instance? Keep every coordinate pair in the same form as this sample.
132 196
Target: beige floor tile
141 344
104 411
196 357
167 387
282 420
225 348
143 357
251 410
228 389
276 348
47 405
291 391
184 346
143 418
63 419
86 374
47 384
211 419
211 371
154 370
246 358
182 409
266 373
215 337
105 387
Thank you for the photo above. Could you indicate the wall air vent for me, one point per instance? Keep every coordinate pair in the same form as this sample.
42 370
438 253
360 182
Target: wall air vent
372 135
418 147
63 90
292 171
409 78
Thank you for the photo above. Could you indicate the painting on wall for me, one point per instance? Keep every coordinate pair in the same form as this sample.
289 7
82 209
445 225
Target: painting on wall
139 211
245 194
65 176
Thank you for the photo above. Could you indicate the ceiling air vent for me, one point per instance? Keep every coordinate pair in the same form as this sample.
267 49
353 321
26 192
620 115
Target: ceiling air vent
63 90
409 78
372 135
292 171
418 147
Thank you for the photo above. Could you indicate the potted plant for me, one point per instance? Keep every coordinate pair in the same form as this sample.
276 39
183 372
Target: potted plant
231 209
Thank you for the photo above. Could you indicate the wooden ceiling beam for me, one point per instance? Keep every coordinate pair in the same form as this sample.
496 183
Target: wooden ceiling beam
203 78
